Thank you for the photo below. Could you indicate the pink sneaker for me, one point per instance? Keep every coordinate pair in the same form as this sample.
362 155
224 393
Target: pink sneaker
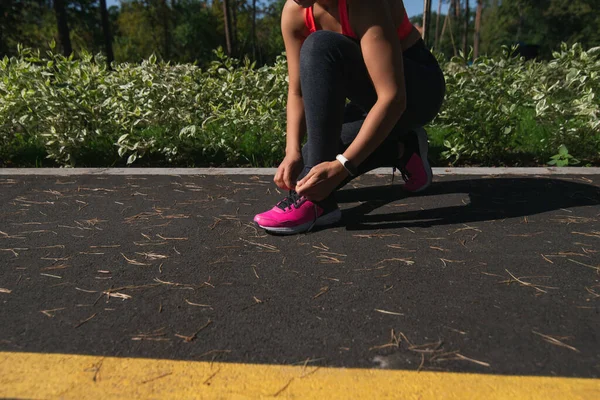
414 165
297 214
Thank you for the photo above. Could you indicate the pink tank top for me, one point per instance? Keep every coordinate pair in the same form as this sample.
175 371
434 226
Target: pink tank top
309 19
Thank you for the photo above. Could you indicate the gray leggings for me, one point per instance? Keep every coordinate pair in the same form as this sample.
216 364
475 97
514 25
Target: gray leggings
332 70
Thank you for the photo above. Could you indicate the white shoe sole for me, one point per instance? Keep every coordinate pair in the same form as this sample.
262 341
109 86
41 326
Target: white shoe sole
327 219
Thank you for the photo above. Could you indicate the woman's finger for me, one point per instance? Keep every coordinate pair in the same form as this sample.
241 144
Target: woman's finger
279 181
307 185
306 178
277 176
288 179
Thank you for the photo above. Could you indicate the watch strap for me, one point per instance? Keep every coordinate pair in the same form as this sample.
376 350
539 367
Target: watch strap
346 164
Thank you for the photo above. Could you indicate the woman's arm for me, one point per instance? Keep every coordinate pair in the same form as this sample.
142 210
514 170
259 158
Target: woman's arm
293 30
382 53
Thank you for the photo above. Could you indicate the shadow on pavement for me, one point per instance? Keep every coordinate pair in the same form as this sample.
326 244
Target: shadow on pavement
490 199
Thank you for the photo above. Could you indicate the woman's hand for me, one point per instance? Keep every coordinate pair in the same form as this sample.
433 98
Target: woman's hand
321 180
288 171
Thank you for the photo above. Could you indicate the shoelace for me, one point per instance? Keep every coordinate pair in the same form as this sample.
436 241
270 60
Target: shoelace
293 198
405 174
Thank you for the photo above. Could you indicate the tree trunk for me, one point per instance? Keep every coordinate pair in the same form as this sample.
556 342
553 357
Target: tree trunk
165 11
5 9
451 34
521 19
3 47
454 9
234 33
466 28
477 29
444 26
426 18
254 29
437 24
107 36
227 22
451 6
63 27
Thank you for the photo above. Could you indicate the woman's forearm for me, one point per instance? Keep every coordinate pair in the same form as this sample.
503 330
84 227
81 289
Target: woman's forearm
296 123
378 124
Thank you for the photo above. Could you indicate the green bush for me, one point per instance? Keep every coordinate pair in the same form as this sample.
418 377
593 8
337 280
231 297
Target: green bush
504 109
61 111
81 114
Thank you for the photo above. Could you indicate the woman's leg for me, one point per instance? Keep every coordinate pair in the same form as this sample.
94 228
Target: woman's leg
331 70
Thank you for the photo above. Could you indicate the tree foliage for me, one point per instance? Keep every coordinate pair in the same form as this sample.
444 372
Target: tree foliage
188 30
173 30
543 23
539 24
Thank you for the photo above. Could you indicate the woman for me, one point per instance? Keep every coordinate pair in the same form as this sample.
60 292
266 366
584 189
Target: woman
366 51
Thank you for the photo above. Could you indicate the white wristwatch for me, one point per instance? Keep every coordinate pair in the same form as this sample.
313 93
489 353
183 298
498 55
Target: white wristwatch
348 166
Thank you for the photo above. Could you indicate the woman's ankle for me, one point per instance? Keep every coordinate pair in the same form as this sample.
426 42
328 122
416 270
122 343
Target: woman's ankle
401 148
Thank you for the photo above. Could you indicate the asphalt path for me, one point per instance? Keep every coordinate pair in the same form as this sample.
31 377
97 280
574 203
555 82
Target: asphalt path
484 274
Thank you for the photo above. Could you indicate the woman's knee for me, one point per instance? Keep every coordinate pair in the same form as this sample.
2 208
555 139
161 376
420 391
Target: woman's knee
320 46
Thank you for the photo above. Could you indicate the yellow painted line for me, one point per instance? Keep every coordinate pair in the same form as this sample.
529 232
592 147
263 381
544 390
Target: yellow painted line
64 376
